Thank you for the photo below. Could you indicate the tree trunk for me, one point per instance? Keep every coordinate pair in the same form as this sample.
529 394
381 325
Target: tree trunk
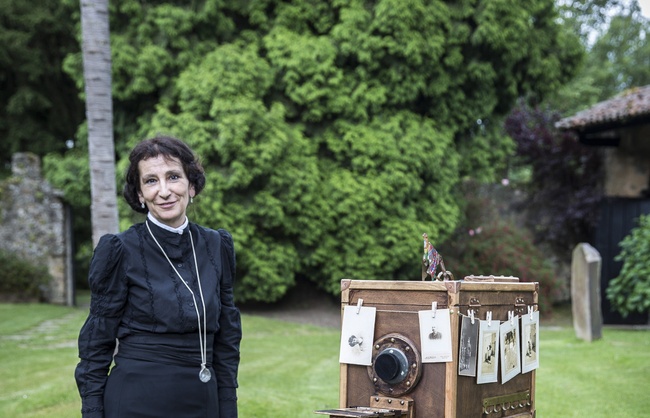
96 50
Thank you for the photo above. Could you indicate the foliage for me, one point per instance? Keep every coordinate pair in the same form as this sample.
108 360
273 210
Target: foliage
22 279
333 133
622 54
629 292
588 17
485 151
565 188
618 53
491 244
39 105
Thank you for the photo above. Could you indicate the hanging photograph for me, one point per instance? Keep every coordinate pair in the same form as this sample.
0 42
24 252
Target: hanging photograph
488 349
435 336
530 341
468 347
510 353
357 335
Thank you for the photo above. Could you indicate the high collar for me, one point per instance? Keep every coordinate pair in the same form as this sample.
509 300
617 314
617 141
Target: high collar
178 230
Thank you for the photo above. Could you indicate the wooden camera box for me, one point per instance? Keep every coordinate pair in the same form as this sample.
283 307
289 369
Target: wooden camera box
431 389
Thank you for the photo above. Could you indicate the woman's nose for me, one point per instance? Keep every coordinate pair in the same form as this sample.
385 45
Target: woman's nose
164 190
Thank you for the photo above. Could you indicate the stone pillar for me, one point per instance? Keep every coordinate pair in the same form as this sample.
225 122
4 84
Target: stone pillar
585 292
33 224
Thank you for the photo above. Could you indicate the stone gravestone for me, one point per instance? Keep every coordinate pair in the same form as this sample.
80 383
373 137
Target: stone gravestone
585 292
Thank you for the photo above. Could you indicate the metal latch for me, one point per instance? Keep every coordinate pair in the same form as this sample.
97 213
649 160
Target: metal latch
520 305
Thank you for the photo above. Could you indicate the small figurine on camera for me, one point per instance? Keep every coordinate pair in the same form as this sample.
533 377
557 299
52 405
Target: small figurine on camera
430 261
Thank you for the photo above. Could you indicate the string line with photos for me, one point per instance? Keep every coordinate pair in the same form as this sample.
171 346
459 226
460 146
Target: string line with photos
472 312
457 311
486 346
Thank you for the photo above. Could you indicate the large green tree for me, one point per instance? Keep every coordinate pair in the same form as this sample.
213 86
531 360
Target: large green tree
620 58
333 132
615 37
40 109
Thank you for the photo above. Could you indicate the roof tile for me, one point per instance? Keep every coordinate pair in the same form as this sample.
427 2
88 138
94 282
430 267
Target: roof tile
630 104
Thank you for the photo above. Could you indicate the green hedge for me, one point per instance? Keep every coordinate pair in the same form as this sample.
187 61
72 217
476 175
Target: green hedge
21 279
630 291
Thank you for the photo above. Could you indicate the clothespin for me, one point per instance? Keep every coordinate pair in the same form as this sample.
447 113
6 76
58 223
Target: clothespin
488 316
530 312
511 317
434 308
471 315
359 303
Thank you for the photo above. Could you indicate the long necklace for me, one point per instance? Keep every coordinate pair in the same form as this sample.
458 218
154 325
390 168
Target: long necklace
204 374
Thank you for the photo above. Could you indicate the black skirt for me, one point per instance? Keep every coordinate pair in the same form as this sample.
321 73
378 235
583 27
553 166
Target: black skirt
146 389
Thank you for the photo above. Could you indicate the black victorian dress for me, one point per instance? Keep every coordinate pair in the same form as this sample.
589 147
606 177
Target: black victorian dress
139 300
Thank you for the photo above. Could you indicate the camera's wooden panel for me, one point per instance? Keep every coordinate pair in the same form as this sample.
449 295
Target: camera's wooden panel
440 393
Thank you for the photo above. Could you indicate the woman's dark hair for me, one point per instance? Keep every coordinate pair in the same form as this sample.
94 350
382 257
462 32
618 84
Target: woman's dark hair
168 147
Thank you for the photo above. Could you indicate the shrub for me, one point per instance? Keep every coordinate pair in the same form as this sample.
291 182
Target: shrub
565 191
501 248
630 291
21 279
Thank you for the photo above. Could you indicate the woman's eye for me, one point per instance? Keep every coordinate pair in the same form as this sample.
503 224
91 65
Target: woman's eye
149 181
174 177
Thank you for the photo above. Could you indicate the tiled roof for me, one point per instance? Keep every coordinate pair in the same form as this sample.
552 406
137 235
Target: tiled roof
632 104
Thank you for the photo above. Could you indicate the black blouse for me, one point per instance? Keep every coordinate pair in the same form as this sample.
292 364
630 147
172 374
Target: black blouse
135 292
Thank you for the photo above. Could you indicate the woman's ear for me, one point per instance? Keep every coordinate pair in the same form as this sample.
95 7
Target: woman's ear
192 191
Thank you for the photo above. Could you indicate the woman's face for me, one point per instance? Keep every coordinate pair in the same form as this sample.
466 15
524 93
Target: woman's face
165 189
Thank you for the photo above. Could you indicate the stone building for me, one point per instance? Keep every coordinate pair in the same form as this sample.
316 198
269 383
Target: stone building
35 225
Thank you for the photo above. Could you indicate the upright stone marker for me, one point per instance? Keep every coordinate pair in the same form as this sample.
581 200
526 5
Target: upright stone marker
585 292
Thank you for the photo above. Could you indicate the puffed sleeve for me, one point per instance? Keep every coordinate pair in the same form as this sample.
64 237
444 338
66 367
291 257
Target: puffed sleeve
227 340
97 338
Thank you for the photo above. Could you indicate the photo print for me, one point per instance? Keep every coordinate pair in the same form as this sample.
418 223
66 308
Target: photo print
488 352
530 342
510 349
435 336
468 347
357 335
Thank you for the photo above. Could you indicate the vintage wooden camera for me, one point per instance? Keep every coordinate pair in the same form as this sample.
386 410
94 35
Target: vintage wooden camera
399 384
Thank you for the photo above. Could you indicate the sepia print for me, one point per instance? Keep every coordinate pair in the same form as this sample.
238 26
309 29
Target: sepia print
510 353
488 349
530 341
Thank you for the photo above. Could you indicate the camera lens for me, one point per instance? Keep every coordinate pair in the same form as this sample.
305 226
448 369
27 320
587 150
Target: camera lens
391 365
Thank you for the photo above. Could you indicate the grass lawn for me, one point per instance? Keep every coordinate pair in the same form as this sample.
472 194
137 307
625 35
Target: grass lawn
608 377
290 370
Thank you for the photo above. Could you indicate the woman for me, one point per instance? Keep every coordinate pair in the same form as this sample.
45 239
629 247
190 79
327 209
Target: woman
163 289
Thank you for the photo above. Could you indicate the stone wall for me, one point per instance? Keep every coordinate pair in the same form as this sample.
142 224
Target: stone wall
627 167
35 225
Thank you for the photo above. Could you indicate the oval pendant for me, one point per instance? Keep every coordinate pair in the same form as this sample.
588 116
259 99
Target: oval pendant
205 375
